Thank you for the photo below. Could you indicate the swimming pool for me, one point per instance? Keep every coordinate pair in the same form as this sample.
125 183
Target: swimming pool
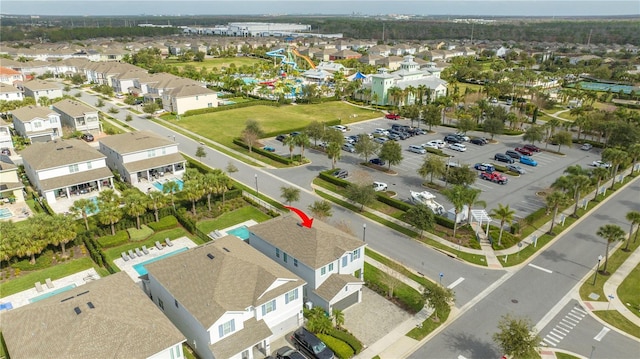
241 232
160 187
249 80
52 293
601 86
95 202
227 102
140 266
5 213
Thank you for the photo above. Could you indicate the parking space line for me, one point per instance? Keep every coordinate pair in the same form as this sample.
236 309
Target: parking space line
602 333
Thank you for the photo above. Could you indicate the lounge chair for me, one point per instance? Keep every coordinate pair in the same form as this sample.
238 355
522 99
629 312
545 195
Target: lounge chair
158 245
39 287
140 254
49 283
168 242
145 250
124 256
131 254
218 233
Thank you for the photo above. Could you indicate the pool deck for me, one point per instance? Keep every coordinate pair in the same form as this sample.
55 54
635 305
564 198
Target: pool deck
178 243
248 223
21 299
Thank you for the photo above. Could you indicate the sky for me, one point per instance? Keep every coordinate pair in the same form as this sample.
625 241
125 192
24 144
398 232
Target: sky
487 8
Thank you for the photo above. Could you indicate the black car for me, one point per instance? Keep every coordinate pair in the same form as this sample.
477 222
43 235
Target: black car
340 173
513 154
288 353
294 134
87 137
307 342
5 151
452 139
503 158
401 134
377 161
281 137
478 141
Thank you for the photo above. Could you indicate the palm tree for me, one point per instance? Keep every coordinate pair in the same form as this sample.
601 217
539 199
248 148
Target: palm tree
171 187
209 185
320 209
574 184
193 191
599 173
290 194
64 233
616 157
611 233
109 206
302 141
291 142
505 214
455 195
83 207
432 165
634 218
634 153
338 317
135 204
34 242
554 200
157 200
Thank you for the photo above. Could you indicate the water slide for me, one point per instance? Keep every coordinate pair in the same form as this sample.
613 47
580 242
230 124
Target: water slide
283 58
313 66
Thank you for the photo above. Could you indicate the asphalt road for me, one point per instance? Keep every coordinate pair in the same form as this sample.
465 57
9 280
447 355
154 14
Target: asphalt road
533 291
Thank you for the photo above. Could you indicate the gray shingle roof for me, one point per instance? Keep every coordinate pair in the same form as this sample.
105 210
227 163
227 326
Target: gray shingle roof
315 246
58 153
235 279
131 142
124 323
30 113
253 332
334 284
36 85
73 108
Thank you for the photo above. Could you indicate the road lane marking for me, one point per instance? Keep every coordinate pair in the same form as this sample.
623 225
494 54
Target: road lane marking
602 333
580 310
572 320
572 325
575 316
555 335
458 281
461 357
540 268
548 342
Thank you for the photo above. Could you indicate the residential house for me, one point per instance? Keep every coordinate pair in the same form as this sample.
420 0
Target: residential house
188 97
344 55
6 141
142 155
122 82
390 62
226 298
331 67
370 59
10 76
39 88
501 51
77 115
64 168
329 260
10 93
106 318
380 50
36 123
11 188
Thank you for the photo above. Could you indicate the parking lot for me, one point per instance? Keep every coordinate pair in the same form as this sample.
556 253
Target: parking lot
519 192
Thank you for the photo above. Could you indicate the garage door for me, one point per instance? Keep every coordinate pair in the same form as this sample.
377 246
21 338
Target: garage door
41 138
346 302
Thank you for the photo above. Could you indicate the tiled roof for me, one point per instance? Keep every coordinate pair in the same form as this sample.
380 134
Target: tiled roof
123 323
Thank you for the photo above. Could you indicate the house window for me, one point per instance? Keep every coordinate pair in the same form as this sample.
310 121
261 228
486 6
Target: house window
295 262
37 124
323 270
89 165
164 151
196 98
209 104
227 328
345 260
160 304
291 296
151 153
330 267
277 253
268 307
356 254
73 168
284 257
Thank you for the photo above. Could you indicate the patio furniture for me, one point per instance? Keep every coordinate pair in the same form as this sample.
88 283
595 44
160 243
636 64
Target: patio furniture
168 242
217 232
158 245
49 283
145 250
140 254
131 254
39 287
124 256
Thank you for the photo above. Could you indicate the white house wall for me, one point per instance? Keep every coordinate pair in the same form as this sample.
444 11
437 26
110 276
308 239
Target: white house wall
172 352
65 171
12 96
184 104
37 94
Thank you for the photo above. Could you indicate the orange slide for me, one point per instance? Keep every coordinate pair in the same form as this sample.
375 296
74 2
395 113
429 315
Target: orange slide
304 57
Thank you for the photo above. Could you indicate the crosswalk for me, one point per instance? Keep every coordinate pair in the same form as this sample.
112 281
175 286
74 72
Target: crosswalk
564 326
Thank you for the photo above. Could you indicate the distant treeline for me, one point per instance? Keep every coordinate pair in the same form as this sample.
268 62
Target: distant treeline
605 31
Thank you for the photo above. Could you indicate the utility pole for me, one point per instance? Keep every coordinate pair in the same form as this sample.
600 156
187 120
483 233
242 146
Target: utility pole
589 39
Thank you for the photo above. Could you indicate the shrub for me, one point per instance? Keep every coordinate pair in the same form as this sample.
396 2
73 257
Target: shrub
436 152
348 338
444 221
260 151
167 222
43 261
395 203
121 237
137 235
326 175
341 349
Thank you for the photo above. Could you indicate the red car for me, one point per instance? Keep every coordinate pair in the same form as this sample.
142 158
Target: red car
523 151
532 148
392 116
494 177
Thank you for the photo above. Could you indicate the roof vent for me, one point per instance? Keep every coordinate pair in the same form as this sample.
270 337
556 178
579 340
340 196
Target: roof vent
69 147
210 256
79 294
66 299
90 305
77 310
226 250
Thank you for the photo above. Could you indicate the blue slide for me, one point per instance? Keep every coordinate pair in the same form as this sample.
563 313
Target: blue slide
283 59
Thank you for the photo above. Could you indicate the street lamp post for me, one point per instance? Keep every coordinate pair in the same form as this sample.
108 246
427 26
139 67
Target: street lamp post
364 232
597 269
441 275
256 177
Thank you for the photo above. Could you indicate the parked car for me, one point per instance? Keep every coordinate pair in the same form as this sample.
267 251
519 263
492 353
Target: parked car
439 143
516 168
379 186
288 353
494 177
87 137
340 173
463 136
526 160
601 164
392 116
269 149
281 138
478 141
513 154
452 139
523 151
493 100
380 131
340 128
503 158
417 149
294 134
394 137
307 342
417 131
350 139
458 147
5 151
586 147
349 148
403 135
532 148
400 128
486 167
381 140
377 162
429 145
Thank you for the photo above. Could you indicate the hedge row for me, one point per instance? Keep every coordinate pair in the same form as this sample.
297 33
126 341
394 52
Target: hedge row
229 107
121 237
300 129
167 222
341 349
137 235
326 175
262 152
348 338
436 151
396 203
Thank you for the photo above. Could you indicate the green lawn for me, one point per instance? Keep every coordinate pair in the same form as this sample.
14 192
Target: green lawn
223 126
229 219
560 355
618 320
218 63
26 281
113 253
628 291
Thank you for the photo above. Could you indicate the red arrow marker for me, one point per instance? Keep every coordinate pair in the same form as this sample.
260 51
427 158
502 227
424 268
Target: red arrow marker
306 221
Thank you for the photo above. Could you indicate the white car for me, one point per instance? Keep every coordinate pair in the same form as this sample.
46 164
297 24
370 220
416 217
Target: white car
601 164
458 147
438 143
463 136
349 148
381 131
348 139
379 186
417 149
429 145
340 128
